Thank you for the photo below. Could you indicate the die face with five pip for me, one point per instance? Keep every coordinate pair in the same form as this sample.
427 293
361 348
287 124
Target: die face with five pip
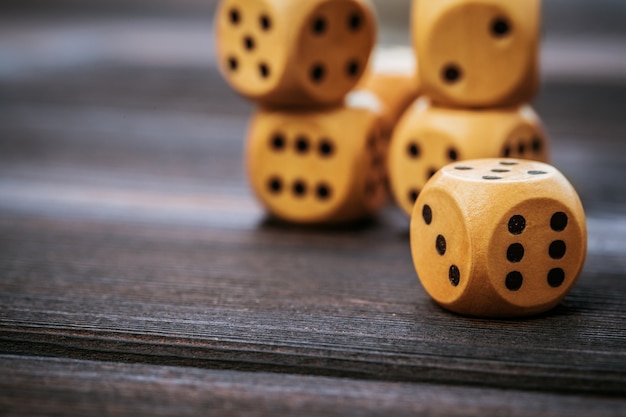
318 167
479 53
498 237
429 137
298 53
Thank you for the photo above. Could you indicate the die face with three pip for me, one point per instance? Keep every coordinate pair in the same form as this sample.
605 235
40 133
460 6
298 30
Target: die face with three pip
294 53
429 137
498 237
318 167
479 53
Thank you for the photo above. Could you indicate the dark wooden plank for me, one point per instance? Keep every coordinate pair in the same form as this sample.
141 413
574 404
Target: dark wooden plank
264 297
46 387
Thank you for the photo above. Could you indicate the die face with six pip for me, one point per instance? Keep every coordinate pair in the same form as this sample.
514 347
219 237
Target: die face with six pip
429 137
479 53
498 237
299 53
318 167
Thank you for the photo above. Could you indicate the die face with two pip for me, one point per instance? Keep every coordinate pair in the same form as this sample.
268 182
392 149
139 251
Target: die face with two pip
498 237
318 167
294 53
479 53
429 137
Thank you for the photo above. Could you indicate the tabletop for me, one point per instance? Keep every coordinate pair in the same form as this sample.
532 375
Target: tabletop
139 276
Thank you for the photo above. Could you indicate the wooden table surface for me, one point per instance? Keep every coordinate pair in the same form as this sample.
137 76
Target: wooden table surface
138 276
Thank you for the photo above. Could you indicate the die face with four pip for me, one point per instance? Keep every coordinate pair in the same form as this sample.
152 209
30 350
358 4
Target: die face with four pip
429 137
498 237
318 167
294 53
479 53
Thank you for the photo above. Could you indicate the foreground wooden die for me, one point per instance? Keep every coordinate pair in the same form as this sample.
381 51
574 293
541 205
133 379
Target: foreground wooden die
479 53
429 137
304 53
318 167
498 237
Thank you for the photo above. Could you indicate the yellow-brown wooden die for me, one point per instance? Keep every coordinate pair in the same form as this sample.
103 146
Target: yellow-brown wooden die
393 78
429 137
479 53
318 167
498 237
294 53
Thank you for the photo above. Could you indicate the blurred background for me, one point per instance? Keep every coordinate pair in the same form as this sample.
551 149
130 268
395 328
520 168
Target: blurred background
103 96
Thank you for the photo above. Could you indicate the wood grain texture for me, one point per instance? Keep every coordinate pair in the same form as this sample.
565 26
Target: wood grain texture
45 386
128 235
267 298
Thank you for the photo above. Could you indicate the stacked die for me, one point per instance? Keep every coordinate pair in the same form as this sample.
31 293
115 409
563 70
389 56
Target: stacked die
393 78
313 156
500 233
478 69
